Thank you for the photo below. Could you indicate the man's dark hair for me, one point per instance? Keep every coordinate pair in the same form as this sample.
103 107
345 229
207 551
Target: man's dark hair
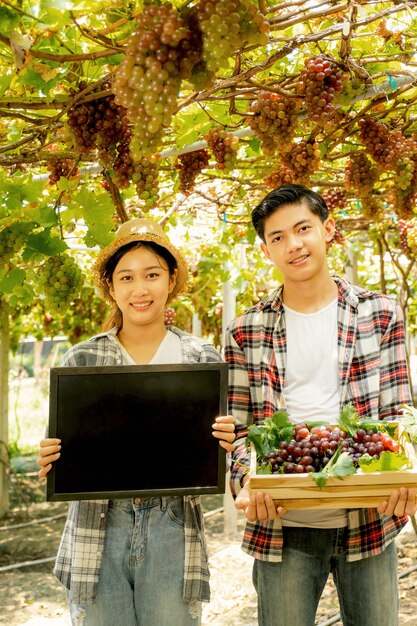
287 195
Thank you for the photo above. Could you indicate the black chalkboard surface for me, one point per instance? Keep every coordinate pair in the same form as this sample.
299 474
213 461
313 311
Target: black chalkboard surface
136 430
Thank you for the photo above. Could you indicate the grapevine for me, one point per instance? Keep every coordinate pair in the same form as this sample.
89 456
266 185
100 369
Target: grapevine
189 166
60 280
223 145
274 120
320 80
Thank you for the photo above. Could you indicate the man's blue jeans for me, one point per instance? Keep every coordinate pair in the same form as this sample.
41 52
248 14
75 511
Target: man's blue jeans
289 592
141 578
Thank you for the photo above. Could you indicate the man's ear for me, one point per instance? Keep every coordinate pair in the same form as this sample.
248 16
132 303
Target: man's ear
329 227
265 250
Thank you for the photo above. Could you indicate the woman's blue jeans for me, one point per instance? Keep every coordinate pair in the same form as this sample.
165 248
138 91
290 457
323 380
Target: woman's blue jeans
289 592
142 572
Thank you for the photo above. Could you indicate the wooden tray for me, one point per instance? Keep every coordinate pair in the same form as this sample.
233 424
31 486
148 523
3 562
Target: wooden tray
360 490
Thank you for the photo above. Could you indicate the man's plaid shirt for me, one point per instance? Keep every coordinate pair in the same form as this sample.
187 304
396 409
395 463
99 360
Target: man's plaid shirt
79 556
372 375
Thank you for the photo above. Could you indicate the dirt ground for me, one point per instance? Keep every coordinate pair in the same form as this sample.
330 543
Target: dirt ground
30 595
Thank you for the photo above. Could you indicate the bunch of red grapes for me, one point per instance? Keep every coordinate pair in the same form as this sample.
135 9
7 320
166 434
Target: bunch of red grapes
274 120
223 145
189 166
311 449
320 80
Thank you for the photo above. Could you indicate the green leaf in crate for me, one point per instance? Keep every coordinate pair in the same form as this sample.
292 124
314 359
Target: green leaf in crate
387 462
339 466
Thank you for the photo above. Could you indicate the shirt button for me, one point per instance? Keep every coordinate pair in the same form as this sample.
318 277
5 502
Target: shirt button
102 515
137 500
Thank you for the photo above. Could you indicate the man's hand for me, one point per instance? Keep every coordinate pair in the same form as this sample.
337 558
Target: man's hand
49 451
259 506
402 502
224 430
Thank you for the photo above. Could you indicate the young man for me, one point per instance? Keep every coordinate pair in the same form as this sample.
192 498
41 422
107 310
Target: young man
312 346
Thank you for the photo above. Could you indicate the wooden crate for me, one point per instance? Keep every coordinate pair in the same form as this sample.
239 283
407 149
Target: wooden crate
360 490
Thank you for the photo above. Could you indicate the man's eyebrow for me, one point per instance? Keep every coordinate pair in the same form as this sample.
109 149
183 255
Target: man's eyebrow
278 232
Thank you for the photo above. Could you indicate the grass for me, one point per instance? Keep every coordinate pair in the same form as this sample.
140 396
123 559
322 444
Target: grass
28 415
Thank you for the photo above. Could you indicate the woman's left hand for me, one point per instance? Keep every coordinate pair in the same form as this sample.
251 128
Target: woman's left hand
224 430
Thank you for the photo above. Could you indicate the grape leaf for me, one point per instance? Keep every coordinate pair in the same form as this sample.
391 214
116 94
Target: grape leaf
349 419
339 466
409 421
387 462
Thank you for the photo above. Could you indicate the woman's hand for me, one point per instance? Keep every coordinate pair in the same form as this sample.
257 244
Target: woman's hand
224 430
49 451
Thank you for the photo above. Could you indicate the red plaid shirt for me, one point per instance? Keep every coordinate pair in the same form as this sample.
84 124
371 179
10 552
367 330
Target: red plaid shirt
373 376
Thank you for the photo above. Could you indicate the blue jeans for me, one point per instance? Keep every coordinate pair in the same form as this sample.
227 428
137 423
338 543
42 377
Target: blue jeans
141 576
289 592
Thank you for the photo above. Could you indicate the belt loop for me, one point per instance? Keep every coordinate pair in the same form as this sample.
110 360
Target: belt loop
164 503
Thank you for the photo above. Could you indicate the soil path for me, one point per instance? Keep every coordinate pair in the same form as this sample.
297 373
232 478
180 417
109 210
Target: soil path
30 596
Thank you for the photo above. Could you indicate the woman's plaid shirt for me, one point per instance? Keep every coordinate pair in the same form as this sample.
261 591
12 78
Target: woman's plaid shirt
373 376
79 556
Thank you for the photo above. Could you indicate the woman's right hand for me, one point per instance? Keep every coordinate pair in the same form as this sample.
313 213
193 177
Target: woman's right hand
49 451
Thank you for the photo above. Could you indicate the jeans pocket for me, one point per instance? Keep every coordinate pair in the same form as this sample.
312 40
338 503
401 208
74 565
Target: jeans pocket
175 510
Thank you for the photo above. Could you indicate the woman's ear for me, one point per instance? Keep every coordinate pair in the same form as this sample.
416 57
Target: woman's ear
110 288
173 281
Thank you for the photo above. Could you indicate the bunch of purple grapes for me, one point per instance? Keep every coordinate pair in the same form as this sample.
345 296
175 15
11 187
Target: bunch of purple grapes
310 450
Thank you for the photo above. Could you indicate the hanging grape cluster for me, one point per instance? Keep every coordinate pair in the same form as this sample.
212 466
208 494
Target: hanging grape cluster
226 27
60 280
274 120
335 199
148 79
223 145
378 141
360 174
189 166
61 169
302 159
97 125
12 240
169 316
282 175
145 178
320 80
407 229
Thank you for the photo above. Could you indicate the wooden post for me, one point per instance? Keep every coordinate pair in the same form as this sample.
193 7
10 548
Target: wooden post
4 408
228 314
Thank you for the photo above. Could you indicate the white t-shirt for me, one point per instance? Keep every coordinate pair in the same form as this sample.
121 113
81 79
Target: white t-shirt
169 351
311 389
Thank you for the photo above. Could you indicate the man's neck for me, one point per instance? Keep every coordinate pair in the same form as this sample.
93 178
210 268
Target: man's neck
307 297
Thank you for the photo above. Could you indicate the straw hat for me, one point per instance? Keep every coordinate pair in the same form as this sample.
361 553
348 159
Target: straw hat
140 229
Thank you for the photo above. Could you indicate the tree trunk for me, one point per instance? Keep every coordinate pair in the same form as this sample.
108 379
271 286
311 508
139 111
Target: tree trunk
4 408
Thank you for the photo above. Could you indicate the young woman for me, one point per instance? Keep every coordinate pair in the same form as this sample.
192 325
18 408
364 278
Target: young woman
139 561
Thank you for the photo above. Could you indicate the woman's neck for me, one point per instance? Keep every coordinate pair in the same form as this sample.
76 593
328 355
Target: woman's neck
142 344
